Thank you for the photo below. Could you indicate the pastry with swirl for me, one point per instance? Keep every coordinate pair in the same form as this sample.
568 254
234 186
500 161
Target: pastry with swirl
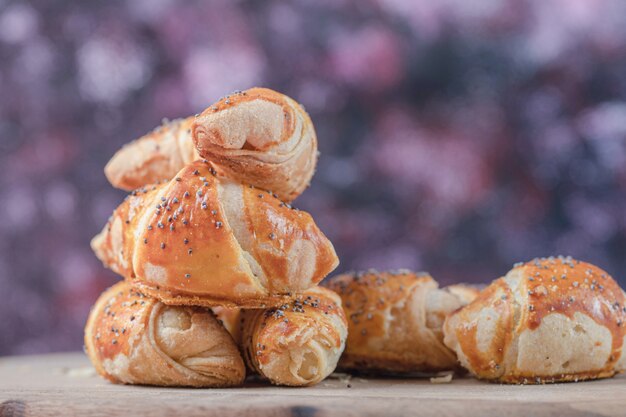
297 343
258 136
134 339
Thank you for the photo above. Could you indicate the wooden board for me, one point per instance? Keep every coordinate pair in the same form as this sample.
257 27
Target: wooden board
66 385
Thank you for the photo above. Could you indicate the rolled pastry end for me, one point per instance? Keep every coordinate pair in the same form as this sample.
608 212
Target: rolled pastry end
134 339
297 344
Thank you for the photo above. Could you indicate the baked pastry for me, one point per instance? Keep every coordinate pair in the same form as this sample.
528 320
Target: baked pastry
395 321
548 320
464 292
298 343
230 318
257 137
154 157
134 339
260 137
202 239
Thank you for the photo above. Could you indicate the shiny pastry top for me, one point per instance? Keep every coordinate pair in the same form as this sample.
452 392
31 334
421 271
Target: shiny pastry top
134 339
258 136
298 343
550 319
395 321
203 239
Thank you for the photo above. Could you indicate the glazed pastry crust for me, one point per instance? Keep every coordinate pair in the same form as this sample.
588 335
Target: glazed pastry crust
202 239
298 343
258 136
134 339
548 320
395 321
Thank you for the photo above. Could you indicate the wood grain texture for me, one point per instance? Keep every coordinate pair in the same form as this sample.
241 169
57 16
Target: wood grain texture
65 384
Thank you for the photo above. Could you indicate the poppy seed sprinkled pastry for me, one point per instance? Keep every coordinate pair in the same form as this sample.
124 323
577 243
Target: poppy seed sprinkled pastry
298 343
395 320
202 239
134 339
548 320
258 136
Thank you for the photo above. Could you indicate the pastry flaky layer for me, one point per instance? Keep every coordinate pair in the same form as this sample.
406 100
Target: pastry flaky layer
258 136
298 343
548 320
134 339
203 239
153 158
395 321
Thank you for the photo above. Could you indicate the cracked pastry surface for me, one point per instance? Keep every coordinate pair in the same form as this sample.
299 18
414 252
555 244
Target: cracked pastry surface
395 321
548 320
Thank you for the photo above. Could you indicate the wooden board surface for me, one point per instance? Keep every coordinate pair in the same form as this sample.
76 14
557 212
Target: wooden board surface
66 385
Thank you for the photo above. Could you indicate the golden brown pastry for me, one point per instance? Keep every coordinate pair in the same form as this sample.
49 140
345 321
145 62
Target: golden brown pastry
134 339
202 239
230 318
548 320
153 158
298 343
395 321
257 136
260 137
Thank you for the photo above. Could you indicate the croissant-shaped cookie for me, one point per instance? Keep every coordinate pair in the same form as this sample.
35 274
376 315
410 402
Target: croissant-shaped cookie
133 339
395 322
257 136
202 239
548 320
298 343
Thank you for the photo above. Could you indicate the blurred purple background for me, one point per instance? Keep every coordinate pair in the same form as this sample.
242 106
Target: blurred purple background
456 137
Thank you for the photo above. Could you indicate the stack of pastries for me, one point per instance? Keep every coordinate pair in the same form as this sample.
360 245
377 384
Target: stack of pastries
220 272
220 277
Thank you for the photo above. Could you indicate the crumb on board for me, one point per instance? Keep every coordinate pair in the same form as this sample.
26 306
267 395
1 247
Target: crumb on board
342 377
83 372
442 379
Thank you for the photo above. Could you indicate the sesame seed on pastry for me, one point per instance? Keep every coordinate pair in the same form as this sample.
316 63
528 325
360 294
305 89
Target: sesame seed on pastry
134 339
203 239
548 320
395 320
258 137
297 343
